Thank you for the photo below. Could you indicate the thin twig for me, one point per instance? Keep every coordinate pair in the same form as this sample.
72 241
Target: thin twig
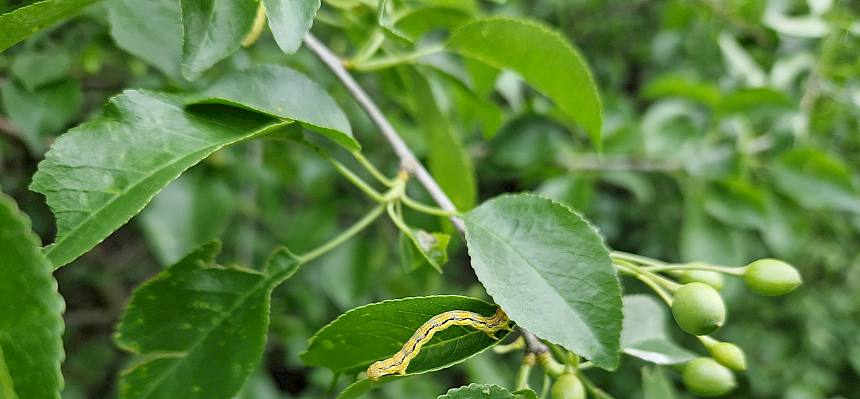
533 344
408 160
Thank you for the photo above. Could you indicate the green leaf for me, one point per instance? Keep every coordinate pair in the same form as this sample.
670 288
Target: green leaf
543 58
432 246
361 387
409 259
100 174
746 100
290 20
477 391
283 93
705 239
782 223
213 30
525 394
736 203
422 246
38 69
815 180
31 326
7 389
644 334
149 30
199 329
374 332
448 160
679 86
18 25
549 270
190 211
655 384
42 113
416 23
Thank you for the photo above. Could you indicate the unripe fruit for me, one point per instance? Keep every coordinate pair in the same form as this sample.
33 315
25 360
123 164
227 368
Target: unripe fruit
729 355
705 377
698 308
771 277
568 386
714 279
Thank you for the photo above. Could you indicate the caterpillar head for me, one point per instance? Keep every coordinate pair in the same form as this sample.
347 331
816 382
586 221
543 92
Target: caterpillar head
384 367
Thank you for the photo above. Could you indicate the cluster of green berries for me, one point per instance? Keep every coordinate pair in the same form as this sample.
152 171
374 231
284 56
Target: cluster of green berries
699 310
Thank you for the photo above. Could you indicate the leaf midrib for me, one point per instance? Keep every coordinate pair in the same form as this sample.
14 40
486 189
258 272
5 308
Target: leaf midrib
263 283
87 220
515 251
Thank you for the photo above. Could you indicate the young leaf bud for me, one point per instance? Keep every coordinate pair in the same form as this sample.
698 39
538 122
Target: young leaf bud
698 308
771 277
729 355
714 279
568 386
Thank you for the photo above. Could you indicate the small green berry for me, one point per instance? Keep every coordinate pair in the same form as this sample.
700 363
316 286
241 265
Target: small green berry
705 377
771 277
568 386
698 308
714 279
729 355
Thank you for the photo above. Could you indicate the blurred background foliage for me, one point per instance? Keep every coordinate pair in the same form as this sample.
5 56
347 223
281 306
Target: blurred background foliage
732 133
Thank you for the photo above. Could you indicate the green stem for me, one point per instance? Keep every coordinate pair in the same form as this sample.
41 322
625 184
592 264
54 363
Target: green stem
665 282
344 236
591 387
379 63
420 207
348 174
368 49
522 381
372 169
545 388
707 341
644 260
357 181
550 365
734 271
647 280
585 365
517 344
398 220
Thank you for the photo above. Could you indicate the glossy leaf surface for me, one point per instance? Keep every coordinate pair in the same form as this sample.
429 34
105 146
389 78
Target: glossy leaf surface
25 21
212 31
194 315
544 59
550 271
373 332
281 93
100 174
31 326
290 20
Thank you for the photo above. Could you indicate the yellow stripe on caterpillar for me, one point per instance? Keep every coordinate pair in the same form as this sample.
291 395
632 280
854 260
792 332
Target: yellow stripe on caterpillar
398 362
